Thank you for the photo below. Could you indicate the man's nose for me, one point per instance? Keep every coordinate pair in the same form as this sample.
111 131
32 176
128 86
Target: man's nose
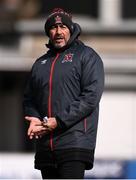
58 30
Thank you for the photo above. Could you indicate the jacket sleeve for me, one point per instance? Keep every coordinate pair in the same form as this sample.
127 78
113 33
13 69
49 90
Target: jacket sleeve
29 105
92 85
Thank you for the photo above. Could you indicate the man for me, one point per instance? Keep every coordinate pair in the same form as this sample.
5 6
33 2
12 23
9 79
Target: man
61 101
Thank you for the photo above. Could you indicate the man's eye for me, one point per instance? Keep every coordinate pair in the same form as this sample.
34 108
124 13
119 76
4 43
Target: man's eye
63 26
53 27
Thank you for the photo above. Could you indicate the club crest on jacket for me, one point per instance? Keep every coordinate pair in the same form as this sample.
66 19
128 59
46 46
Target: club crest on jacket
68 58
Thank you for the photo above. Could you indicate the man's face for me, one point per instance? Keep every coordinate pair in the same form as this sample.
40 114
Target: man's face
59 35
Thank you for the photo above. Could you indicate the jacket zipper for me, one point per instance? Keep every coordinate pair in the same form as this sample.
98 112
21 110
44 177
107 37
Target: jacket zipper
50 97
85 125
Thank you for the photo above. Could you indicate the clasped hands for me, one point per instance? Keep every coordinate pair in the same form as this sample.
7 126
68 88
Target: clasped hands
38 128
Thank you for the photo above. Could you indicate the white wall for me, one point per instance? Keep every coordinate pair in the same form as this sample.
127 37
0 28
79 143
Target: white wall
117 127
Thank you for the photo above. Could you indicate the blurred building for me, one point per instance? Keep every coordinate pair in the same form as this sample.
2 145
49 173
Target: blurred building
109 26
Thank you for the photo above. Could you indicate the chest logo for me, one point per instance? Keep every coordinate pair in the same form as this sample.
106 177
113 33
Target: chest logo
68 58
44 61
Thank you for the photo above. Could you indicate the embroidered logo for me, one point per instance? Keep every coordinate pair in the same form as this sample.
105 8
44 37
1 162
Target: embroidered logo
68 58
58 20
44 61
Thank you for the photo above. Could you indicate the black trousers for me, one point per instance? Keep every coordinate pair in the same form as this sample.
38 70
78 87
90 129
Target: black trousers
66 170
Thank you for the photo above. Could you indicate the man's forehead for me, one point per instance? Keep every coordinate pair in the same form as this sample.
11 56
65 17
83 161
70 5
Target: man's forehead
58 25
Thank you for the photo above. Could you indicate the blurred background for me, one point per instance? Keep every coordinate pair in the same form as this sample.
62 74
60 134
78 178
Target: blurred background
108 26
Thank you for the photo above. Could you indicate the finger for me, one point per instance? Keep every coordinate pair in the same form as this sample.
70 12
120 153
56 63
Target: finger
41 133
31 136
37 129
47 126
43 129
36 137
29 131
39 124
28 118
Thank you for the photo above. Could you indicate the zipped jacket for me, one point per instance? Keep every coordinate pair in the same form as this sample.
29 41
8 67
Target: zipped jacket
67 84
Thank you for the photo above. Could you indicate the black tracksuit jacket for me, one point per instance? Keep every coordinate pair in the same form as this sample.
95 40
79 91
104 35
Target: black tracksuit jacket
67 84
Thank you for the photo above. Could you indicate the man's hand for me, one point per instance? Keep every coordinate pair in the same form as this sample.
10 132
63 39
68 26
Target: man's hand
34 127
51 123
37 128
